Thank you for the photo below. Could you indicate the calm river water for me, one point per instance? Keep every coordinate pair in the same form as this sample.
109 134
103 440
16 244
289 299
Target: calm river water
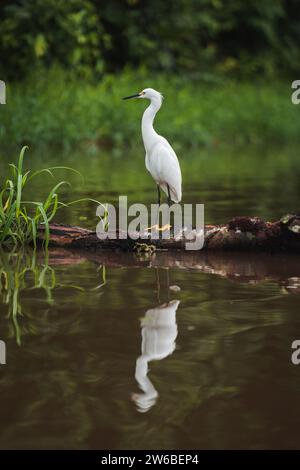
127 351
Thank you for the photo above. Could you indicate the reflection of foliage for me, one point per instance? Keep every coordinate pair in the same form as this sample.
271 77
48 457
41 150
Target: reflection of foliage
14 271
23 272
102 270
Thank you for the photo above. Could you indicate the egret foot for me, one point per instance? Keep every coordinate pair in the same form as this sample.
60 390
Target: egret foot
158 228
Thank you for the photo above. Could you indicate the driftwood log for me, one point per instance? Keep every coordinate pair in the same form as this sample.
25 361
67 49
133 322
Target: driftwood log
239 234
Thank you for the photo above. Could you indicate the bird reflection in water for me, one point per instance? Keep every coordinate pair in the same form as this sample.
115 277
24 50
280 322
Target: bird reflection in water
159 333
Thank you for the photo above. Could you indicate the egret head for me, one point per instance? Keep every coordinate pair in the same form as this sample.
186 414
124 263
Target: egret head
148 93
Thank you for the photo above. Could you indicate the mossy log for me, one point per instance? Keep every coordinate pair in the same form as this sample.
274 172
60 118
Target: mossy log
239 234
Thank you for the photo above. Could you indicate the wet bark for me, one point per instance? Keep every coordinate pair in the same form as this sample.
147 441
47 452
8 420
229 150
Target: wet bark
239 234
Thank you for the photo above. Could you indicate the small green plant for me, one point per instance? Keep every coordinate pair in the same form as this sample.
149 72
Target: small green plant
19 218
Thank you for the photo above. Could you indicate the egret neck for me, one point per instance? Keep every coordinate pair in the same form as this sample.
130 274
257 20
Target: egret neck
148 132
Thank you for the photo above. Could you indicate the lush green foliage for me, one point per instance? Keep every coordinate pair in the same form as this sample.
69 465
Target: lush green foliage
19 218
62 110
67 65
200 37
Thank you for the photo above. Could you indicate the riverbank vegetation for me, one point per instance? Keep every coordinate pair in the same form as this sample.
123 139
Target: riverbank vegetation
56 107
19 217
225 69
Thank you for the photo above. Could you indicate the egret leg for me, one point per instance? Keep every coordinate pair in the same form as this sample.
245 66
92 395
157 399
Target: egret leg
169 196
169 204
158 202
158 194
156 226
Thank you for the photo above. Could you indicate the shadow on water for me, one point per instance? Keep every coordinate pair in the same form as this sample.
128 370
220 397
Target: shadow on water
205 337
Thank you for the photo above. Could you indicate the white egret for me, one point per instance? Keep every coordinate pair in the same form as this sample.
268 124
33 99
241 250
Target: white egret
161 160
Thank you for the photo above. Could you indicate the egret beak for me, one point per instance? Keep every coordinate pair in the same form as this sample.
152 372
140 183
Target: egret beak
132 96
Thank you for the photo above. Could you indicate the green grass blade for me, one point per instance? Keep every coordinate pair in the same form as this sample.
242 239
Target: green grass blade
39 172
9 218
46 223
19 195
21 158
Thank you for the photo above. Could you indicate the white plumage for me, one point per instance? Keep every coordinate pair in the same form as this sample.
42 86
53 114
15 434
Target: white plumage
159 332
161 160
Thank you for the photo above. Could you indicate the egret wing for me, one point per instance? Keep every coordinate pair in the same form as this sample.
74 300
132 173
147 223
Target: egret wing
165 169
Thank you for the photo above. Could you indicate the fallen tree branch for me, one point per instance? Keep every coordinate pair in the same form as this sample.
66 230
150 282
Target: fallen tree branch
240 234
